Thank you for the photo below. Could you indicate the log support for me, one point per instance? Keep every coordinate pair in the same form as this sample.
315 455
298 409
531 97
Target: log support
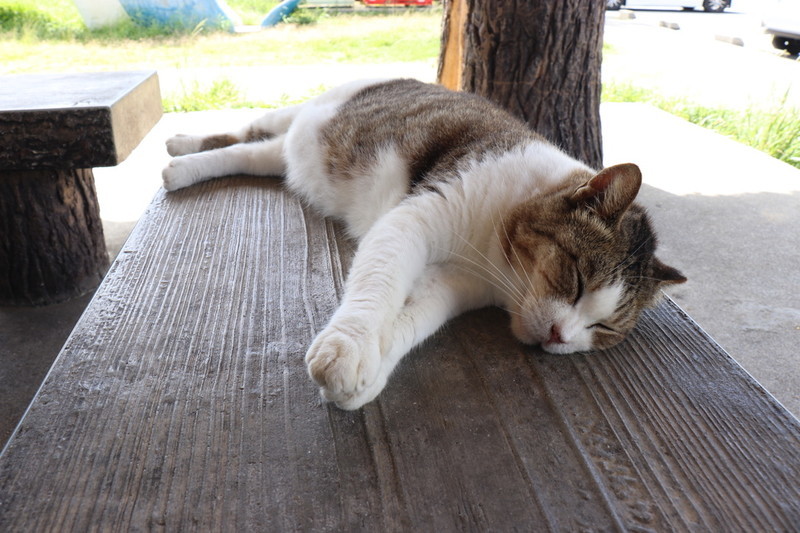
51 238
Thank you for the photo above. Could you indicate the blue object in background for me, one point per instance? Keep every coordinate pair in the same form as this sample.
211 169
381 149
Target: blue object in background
277 13
181 13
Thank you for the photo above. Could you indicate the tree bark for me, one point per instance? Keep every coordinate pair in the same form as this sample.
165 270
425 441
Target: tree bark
51 237
540 59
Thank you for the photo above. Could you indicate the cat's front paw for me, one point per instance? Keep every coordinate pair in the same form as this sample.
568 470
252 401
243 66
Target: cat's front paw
346 367
183 144
178 174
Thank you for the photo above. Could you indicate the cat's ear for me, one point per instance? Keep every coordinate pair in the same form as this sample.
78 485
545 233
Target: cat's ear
611 191
666 274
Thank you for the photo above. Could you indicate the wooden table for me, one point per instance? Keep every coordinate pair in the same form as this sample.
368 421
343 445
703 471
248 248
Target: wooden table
55 128
181 402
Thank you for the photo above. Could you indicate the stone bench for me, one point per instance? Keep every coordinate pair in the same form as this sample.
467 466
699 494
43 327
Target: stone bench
55 129
181 402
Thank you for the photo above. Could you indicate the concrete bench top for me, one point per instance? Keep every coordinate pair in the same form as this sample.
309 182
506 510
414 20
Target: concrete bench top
181 401
55 129
82 120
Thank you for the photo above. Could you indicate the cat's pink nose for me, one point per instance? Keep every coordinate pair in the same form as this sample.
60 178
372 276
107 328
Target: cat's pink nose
555 336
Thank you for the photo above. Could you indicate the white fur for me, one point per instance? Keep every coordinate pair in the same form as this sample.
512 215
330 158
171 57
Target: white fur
184 144
421 260
258 159
574 321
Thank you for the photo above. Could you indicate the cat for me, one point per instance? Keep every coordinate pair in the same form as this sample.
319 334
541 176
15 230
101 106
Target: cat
456 205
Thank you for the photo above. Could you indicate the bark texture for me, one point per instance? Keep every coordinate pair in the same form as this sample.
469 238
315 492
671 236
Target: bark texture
540 59
51 238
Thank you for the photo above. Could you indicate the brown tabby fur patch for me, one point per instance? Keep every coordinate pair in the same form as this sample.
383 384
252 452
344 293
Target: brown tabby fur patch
446 135
212 142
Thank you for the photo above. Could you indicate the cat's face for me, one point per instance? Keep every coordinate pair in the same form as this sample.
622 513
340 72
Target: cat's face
584 260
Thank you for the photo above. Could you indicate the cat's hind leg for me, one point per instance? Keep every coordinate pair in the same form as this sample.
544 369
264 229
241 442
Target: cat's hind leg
263 158
271 124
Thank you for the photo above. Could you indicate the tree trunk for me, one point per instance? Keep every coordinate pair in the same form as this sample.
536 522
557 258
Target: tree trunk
540 59
51 238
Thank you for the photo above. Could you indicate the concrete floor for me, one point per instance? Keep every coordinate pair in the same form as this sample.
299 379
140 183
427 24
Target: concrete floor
30 339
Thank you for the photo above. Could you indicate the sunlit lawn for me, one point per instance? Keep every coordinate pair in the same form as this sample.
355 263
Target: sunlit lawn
356 38
34 38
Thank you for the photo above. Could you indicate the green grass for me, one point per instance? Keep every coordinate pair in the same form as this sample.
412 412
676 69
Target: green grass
22 19
220 94
35 41
34 38
224 94
774 130
252 11
61 20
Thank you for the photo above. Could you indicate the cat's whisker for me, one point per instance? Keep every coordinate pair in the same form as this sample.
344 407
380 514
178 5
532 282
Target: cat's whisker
530 284
498 273
516 313
498 282
643 277
509 290
493 283
630 259
511 297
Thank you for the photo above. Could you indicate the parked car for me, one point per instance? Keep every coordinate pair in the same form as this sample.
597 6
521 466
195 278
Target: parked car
713 6
782 20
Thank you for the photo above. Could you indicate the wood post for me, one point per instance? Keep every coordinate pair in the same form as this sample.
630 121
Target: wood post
51 238
540 60
452 48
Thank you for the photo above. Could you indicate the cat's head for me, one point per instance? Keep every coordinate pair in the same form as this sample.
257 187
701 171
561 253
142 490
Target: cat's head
584 260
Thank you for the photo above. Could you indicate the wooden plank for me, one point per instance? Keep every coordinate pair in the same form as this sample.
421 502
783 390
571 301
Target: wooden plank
69 121
181 402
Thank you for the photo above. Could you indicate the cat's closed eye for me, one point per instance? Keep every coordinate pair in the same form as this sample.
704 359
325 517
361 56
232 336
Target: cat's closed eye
581 287
602 327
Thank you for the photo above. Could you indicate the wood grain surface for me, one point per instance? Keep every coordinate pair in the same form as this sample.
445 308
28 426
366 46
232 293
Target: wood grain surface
181 403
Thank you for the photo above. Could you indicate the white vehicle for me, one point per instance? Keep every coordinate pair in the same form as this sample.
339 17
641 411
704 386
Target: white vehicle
782 20
714 6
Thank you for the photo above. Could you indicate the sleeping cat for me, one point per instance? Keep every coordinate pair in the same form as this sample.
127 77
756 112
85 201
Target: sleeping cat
456 205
